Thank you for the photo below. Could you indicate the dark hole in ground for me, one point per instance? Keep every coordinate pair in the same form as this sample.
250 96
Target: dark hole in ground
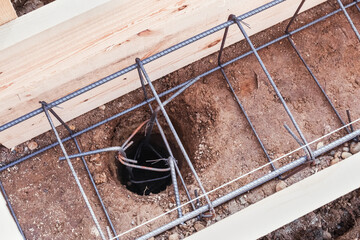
144 182
346 223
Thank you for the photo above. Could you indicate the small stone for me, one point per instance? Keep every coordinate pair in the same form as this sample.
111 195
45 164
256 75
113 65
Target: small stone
255 196
327 235
152 238
337 154
102 107
19 148
233 207
72 127
332 153
198 226
242 200
100 178
32 145
94 231
319 145
95 158
355 147
174 236
334 161
345 155
280 186
346 149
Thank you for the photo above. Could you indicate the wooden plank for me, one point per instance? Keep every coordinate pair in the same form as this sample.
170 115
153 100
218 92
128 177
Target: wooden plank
287 205
86 46
7 11
43 19
8 226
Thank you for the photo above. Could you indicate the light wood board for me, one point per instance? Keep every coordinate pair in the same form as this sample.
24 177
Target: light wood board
8 227
7 12
287 205
62 47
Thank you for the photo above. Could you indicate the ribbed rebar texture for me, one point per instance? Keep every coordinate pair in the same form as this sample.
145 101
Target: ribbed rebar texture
249 186
133 67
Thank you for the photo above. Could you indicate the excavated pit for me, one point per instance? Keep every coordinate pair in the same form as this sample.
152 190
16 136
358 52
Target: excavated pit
140 181
144 182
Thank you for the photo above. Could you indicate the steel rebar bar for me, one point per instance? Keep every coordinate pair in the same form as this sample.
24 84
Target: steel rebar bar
349 19
308 67
11 164
184 86
250 186
73 172
277 91
176 136
87 170
134 66
237 98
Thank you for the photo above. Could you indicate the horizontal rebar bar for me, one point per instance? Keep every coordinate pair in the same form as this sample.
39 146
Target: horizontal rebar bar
167 51
102 150
171 90
76 134
249 186
133 67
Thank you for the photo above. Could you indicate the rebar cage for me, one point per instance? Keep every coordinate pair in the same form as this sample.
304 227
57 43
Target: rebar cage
172 168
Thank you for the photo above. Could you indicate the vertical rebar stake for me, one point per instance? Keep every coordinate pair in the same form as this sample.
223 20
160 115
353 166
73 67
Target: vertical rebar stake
44 106
308 149
177 138
171 161
309 69
349 18
238 100
85 165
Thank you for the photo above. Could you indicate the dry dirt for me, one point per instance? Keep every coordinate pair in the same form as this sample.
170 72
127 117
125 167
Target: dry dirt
215 134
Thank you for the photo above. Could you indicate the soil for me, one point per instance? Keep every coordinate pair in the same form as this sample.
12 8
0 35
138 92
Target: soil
25 6
214 133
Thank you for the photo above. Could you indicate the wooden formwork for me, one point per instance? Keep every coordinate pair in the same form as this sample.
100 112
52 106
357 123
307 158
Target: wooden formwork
7 12
65 45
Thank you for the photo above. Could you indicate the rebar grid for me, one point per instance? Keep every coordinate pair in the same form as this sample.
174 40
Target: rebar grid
310 155
258 182
322 150
182 86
